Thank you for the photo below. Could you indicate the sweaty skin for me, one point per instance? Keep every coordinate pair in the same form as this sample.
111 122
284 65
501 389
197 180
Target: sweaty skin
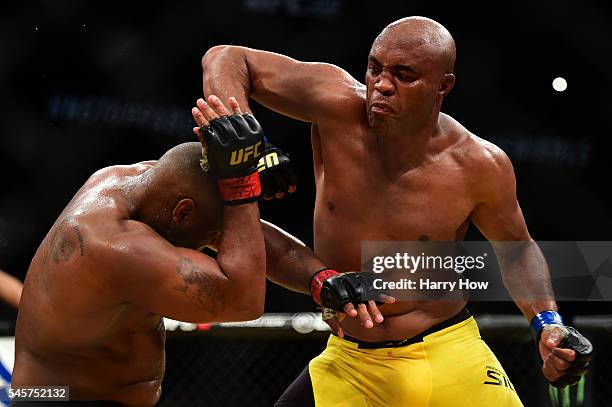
91 311
388 164
65 299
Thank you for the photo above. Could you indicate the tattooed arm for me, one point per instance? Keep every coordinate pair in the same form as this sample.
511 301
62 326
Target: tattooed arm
184 284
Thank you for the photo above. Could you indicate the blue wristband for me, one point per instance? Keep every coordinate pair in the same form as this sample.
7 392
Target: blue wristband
545 318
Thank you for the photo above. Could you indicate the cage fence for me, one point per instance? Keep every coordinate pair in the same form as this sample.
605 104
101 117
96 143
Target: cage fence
251 364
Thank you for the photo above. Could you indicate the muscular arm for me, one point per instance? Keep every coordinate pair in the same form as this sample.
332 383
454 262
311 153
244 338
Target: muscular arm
302 90
289 263
10 289
184 284
499 218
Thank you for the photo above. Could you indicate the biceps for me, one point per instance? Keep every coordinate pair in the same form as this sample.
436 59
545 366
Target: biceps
179 283
202 290
500 222
197 293
182 284
188 291
301 90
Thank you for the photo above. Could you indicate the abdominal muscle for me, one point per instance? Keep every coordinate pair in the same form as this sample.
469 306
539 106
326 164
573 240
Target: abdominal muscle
402 320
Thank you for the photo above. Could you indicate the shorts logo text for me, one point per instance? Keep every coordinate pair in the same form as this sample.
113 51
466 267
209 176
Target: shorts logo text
496 377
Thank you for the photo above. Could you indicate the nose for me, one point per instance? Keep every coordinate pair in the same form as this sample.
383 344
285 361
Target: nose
384 85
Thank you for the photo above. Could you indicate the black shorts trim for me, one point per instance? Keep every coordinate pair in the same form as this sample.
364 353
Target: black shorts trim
459 317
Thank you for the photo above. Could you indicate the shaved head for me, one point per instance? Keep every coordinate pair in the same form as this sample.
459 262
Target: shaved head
177 185
410 72
178 175
182 165
431 37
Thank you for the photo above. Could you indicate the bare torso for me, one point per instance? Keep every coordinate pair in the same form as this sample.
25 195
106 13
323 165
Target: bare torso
357 200
72 329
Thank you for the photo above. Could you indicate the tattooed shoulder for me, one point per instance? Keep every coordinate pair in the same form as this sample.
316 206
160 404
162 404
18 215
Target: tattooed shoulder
80 239
65 241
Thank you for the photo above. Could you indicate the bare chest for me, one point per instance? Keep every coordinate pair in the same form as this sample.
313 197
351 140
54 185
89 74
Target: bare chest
354 193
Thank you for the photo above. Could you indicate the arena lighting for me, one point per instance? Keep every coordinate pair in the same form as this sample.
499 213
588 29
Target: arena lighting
106 112
559 84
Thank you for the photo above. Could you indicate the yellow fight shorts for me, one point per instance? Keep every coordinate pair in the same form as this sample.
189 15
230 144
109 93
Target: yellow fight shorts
452 367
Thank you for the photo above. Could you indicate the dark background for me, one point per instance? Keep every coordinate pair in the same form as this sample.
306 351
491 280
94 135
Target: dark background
85 85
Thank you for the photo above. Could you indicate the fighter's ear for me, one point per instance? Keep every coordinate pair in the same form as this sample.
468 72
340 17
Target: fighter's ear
446 84
183 211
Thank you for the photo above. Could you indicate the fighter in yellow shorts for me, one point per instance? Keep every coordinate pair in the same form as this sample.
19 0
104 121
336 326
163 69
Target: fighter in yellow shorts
390 166
450 366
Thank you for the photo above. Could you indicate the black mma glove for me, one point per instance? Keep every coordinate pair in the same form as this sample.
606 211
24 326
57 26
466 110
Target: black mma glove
333 290
572 339
275 171
234 145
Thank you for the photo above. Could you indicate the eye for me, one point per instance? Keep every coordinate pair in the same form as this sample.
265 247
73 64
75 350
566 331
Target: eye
406 78
375 70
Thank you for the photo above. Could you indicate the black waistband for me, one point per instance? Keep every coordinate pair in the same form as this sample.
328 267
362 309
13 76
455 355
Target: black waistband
460 317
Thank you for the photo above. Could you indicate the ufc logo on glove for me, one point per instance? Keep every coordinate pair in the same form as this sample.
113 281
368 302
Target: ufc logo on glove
241 155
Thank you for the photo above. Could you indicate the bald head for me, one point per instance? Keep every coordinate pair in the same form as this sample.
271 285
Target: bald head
182 164
410 72
431 38
178 174
182 203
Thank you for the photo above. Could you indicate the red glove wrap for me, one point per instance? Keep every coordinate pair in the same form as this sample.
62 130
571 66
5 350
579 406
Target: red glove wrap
240 190
316 283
